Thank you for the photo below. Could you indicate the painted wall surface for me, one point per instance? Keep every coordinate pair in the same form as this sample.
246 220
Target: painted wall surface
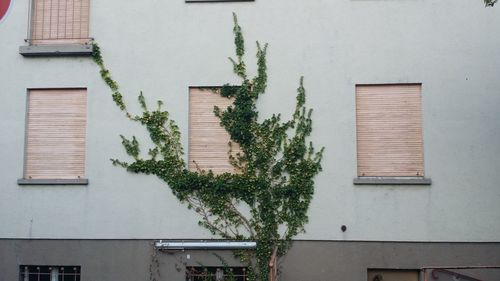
163 47
109 260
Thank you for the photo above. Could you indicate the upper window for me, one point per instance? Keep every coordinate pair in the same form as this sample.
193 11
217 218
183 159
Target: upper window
59 22
389 130
55 137
208 140
49 273
58 28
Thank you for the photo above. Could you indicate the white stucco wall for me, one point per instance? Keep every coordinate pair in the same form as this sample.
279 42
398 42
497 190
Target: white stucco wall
162 47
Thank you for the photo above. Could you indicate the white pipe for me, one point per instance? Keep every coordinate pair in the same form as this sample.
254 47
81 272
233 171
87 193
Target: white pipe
223 245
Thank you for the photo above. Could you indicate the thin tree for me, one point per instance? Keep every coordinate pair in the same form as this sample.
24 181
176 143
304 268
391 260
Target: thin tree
276 166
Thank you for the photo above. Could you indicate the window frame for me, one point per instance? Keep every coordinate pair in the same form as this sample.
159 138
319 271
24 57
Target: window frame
235 147
56 181
77 269
191 272
371 271
64 46
385 179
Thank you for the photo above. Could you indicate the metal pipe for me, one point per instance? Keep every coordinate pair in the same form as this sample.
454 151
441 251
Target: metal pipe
462 267
425 268
222 245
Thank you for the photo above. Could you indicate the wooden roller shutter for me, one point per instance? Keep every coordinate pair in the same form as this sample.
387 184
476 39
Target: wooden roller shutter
208 141
389 130
55 145
60 21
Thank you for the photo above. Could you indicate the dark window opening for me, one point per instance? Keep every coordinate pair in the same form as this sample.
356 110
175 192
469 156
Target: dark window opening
213 273
49 273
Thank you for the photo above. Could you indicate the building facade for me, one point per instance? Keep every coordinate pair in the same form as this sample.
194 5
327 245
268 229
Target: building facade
405 97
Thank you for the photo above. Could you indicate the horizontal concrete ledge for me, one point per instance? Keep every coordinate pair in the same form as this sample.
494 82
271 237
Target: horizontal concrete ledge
392 181
52 181
56 50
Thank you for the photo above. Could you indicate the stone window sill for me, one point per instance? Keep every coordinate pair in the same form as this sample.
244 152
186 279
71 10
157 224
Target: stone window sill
56 50
52 181
392 181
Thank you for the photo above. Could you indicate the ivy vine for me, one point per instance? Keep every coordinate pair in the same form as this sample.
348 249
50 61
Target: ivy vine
276 165
490 3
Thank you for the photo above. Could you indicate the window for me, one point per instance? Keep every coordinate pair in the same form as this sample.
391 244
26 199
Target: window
392 275
208 140
49 273
58 28
389 133
59 22
216 273
55 137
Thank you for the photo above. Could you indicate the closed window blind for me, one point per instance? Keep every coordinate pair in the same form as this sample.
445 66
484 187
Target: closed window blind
59 21
55 141
208 140
389 130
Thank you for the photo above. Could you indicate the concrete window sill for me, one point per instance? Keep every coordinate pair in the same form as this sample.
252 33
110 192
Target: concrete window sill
52 181
56 50
392 181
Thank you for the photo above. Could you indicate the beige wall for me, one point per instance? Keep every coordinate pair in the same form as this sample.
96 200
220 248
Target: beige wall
164 47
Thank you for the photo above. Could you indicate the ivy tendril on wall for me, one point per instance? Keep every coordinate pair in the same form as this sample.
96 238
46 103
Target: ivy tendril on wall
490 3
276 166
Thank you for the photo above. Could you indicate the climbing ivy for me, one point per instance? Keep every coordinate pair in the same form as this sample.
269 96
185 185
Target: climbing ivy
490 3
276 166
